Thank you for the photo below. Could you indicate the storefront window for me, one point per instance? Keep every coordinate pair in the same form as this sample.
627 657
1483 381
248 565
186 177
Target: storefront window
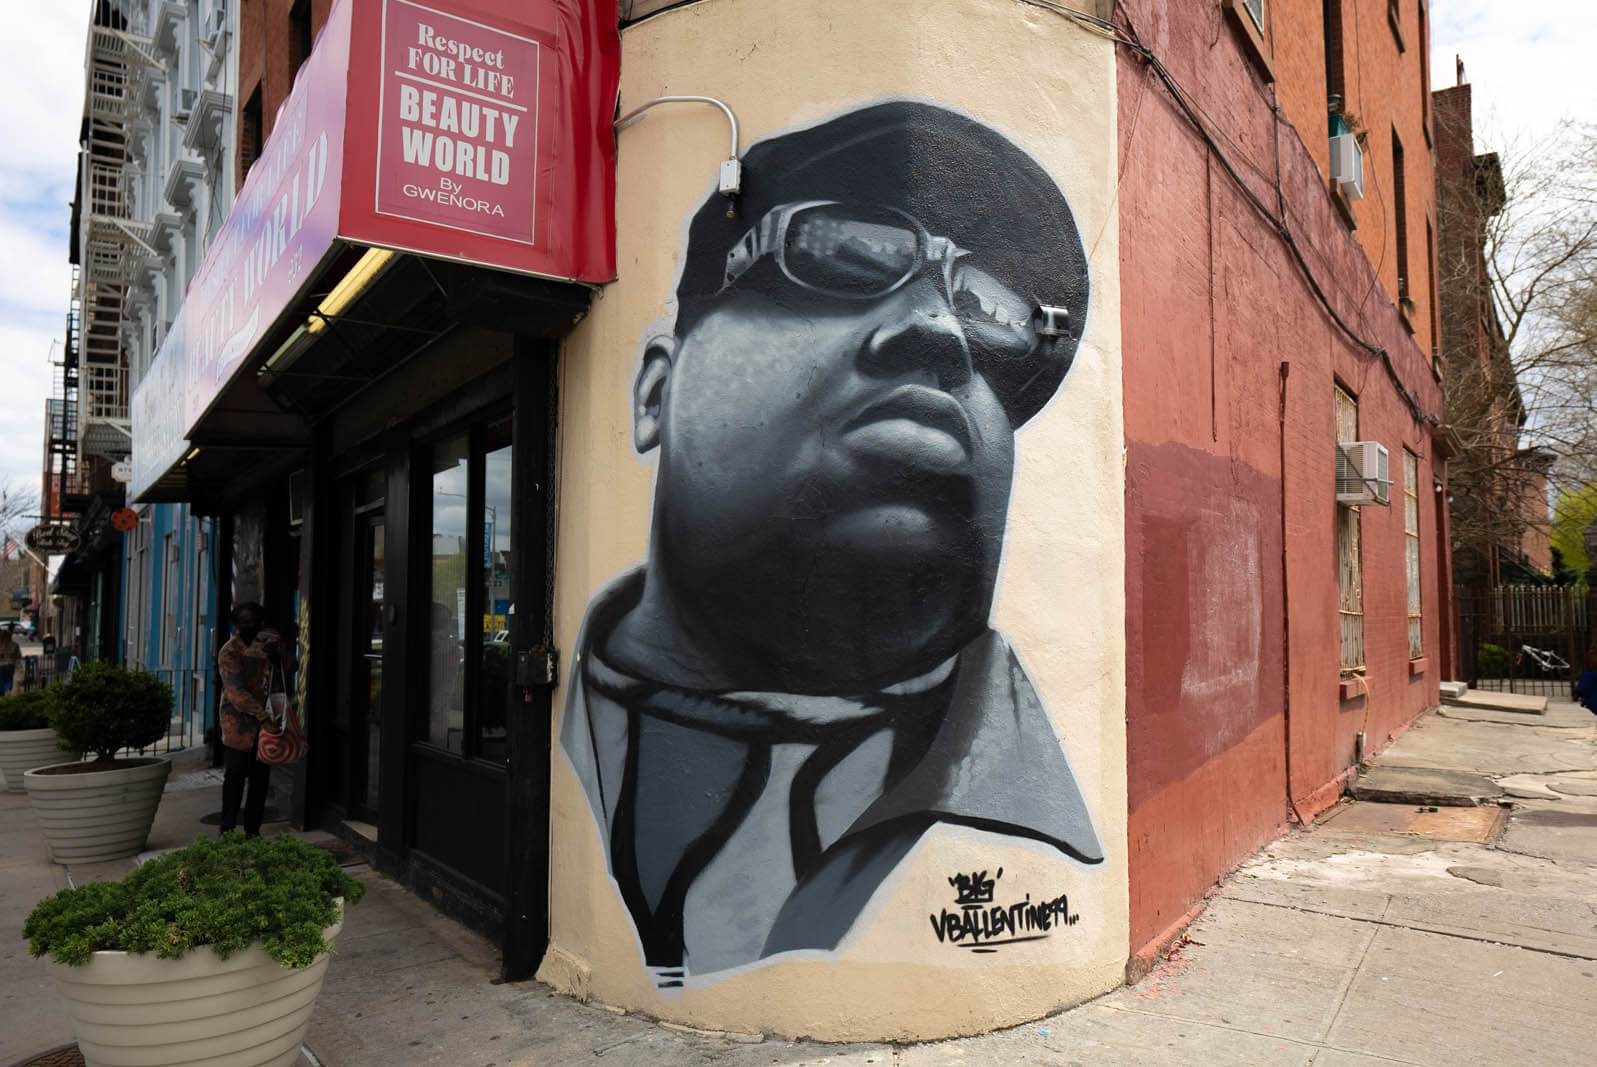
494 687
446 700
469 650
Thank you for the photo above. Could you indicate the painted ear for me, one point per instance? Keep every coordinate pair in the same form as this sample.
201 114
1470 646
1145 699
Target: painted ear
648 393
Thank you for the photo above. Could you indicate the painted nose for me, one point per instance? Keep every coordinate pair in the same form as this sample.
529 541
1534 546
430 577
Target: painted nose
919 338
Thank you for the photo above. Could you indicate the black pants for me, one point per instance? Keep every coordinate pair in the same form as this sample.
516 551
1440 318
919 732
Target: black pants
240 766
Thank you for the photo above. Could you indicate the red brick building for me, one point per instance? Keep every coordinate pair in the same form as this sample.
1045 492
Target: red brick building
275 38
1499 511
1263 307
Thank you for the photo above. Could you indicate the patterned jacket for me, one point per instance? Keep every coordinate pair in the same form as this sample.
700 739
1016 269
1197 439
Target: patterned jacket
245 673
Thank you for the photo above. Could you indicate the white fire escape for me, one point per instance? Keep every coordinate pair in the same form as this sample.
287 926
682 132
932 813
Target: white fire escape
112 244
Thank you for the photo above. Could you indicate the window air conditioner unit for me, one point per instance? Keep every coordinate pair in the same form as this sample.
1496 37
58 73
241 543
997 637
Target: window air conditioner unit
1361 473
1347 165
185 104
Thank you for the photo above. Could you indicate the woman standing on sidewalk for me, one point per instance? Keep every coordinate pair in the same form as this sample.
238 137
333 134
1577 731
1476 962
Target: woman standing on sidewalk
246 663
9 655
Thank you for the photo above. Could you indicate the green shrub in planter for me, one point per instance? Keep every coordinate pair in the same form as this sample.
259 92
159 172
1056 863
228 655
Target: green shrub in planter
1492 661
226 893
28 710
103 708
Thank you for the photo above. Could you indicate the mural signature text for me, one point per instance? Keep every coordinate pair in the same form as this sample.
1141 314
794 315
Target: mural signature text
978 923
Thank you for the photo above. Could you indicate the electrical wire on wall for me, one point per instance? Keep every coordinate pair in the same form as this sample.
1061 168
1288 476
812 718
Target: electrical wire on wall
1126 36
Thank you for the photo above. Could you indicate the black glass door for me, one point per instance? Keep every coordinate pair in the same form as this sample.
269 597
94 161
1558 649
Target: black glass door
459 748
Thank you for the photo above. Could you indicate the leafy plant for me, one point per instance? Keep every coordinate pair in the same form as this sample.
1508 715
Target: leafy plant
29 710
1492 661
228 893
103 708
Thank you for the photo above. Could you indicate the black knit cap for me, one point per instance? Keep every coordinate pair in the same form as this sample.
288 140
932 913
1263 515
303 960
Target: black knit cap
961 179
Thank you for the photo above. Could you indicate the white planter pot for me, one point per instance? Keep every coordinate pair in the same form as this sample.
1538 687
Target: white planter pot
91 816
23 750
201 1011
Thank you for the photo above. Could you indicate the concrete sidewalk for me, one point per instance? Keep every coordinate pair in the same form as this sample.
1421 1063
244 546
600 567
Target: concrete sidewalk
1383 934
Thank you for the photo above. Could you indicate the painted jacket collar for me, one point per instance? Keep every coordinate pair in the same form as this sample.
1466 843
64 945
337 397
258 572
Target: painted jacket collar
994 764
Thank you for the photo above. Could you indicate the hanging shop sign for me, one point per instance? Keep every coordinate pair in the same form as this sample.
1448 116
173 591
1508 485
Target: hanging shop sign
124 519
457 124
481 130
51 538
472 130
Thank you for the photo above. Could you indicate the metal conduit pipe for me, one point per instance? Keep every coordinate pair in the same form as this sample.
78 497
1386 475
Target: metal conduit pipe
731 176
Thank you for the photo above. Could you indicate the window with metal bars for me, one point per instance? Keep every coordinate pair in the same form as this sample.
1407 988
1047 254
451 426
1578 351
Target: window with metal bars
1349 559
1411 547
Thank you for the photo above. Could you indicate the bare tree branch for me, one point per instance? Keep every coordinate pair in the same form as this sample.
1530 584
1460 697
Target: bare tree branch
1518 286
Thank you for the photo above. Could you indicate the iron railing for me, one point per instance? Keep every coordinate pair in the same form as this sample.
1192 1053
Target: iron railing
193 696
1526 639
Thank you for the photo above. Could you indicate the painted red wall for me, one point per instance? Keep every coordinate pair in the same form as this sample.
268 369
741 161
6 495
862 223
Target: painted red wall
1223 739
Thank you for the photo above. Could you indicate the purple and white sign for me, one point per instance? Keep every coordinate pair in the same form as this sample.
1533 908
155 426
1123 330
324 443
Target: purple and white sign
282 224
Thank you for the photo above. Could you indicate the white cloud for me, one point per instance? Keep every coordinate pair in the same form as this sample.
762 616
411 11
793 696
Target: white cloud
41 81
35 278
24 385
1528 63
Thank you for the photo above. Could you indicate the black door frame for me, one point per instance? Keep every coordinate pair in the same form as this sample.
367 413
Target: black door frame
530 378
529 719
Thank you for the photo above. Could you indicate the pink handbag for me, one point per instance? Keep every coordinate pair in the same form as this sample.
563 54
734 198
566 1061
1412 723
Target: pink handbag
280 739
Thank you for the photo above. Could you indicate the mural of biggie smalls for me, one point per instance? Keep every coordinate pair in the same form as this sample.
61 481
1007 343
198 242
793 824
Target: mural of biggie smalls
801 680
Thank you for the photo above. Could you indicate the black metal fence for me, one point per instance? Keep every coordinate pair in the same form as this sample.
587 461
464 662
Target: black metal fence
193 701
37 672
193 696
1525 639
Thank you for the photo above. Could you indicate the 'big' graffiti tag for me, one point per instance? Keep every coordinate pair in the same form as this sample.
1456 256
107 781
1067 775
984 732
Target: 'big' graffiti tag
981 925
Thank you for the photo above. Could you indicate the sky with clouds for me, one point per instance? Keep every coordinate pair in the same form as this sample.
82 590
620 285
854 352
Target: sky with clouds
1527 61
41 98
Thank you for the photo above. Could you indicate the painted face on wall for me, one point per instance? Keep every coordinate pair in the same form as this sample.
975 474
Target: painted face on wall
834 414
801 679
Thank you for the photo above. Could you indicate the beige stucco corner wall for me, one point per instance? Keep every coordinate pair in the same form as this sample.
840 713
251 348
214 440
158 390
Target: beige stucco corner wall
1047 84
